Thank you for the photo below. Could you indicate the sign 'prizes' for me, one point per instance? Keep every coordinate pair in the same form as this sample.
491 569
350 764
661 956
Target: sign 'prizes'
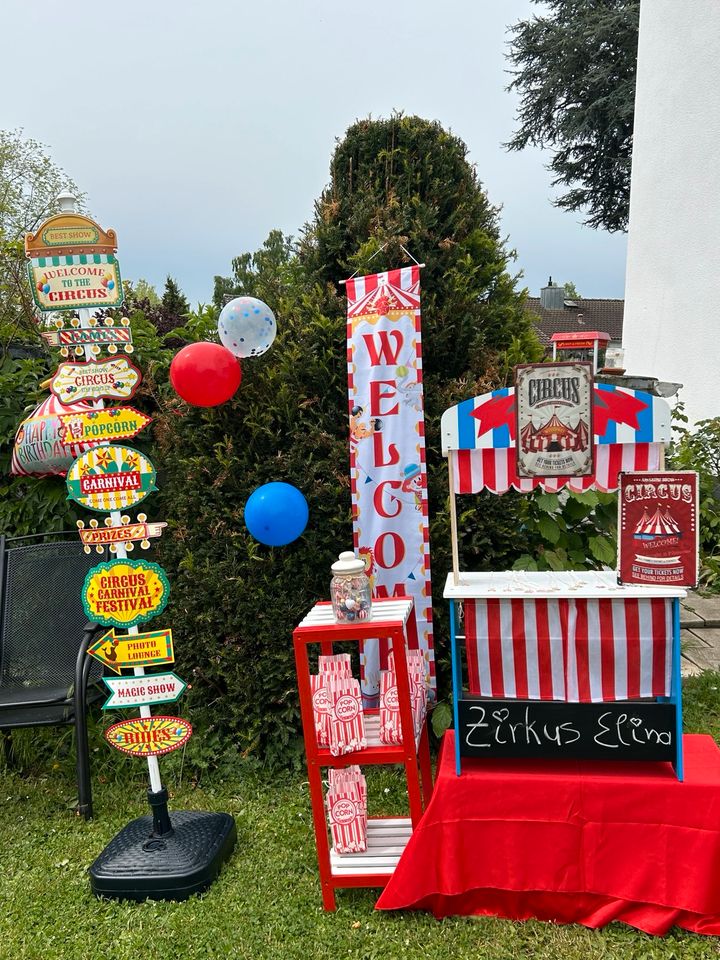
73 267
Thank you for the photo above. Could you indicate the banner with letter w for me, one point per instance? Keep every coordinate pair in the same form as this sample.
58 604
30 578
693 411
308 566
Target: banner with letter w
387 452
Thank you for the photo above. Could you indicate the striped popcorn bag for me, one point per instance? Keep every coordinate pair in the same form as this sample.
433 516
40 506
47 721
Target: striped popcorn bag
321 708
347 727
390 727
351 775
347 816
335 666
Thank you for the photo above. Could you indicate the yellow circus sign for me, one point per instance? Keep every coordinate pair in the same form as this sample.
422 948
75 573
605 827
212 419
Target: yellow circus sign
117 651
124 593
149 736
72 264
114 378
75 282
110 478
112 423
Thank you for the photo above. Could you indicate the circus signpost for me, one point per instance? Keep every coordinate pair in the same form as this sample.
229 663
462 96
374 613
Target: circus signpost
658 528
72 266
554 419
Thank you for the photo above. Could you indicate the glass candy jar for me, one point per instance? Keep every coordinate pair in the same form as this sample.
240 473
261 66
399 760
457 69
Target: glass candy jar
350 589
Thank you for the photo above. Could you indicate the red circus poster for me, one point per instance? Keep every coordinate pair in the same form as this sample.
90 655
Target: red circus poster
387 451
658 531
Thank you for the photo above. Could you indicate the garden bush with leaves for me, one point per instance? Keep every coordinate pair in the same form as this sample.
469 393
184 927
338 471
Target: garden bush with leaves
403 182
700 450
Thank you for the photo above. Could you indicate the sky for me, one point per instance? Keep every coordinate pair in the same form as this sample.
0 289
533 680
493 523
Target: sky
195 127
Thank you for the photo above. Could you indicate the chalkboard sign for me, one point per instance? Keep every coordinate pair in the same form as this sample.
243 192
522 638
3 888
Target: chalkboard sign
578 731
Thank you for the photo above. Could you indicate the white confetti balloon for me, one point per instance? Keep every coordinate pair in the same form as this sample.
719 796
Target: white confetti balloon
247 327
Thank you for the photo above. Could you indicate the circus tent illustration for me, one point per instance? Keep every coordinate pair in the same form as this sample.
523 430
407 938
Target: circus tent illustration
660 524
554 435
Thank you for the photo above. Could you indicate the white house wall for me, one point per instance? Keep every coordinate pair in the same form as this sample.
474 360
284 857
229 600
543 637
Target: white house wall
672 296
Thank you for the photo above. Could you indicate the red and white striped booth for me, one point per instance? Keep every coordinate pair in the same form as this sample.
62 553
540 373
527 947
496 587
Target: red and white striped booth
566 637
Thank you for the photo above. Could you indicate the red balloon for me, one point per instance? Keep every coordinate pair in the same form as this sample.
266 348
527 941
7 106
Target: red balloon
205 374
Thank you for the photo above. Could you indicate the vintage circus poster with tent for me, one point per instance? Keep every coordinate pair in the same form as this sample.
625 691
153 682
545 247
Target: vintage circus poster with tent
658 528
554 419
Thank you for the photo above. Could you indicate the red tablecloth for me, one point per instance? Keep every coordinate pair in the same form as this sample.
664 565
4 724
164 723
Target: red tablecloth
569 842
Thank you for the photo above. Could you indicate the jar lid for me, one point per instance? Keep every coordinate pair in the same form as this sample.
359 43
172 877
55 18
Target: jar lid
348 563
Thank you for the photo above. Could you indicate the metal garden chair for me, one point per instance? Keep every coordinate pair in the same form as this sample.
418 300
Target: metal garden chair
46 678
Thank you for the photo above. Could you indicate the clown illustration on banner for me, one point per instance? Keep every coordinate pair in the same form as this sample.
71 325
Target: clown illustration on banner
387 451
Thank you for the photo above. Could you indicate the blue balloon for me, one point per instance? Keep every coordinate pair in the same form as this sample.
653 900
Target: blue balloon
276 514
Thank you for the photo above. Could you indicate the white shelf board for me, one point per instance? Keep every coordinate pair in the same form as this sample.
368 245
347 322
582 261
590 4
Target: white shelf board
381 611
387 839
565 584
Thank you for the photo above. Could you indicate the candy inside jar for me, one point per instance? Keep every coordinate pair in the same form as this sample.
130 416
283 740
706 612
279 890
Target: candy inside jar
350 589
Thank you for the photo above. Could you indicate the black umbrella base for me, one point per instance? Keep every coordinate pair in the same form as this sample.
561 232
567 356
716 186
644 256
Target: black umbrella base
139 864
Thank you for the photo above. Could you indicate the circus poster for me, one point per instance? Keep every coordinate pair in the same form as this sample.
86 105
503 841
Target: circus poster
387 452
658 531
554 430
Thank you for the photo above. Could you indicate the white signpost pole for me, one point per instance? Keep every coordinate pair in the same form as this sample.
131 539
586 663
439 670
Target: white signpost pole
67 205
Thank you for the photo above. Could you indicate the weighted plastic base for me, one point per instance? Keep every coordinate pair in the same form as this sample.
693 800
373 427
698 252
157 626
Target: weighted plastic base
138 865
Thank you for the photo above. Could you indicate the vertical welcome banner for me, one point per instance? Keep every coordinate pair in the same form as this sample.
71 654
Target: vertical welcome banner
387 451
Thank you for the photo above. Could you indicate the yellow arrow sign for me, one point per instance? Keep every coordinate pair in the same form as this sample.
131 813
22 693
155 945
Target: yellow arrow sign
140 650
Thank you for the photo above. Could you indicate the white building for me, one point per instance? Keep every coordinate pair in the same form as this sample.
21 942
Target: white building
671 325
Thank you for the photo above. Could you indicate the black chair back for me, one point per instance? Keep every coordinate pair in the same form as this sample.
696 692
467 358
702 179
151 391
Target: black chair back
42 617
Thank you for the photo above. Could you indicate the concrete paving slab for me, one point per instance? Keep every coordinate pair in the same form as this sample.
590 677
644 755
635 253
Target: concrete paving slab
688 668
694 638
696 608
703 656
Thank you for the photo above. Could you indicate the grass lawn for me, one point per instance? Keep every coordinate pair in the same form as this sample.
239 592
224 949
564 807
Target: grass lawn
266 903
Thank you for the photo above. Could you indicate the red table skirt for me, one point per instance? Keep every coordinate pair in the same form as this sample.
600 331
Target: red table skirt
571 842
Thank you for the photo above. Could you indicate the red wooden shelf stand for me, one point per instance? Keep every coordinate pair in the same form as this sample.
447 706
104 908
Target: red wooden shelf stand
393 619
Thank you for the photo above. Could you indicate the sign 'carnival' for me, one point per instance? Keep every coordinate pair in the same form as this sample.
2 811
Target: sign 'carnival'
658 530
124 593
387 450
554 430
110 478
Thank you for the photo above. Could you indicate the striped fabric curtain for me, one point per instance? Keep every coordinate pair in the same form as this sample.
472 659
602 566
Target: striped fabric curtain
494 469
572 650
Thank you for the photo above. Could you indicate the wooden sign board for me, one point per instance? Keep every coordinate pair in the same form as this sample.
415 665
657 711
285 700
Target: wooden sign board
658 528
571 731
149 736
554 429
143 691
113 378
129 533
112 423
77 338
118 651
75 281
124 593
69 233
110 478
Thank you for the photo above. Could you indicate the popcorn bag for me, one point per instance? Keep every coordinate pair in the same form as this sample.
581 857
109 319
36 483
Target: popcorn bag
347 727
335 666
390 726
347 810
321 708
